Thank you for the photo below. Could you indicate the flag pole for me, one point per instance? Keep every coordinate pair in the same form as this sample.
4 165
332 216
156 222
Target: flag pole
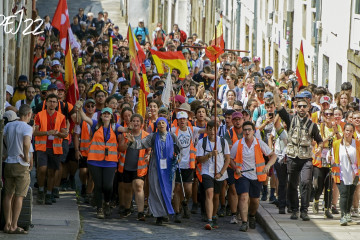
215 105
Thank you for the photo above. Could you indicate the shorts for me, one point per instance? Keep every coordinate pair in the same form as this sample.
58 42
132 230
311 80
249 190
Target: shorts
245 185
231 178
49 159
17 179
129 176
186 174
71 155
209 182
83 162
65 146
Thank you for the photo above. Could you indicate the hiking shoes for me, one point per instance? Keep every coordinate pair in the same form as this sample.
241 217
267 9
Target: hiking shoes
40 197
48 199
304 216
315 207
100 213
177 218
107 209
294 216
243 227
186 212
233 220
252 222
141 216
327 214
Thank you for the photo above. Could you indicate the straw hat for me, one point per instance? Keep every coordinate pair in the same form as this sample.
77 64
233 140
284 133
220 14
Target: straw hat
185 107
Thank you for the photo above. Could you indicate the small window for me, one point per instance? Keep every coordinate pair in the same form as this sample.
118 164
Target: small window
357 7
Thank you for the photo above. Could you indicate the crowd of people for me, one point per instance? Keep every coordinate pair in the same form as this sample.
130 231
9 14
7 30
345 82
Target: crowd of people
265 130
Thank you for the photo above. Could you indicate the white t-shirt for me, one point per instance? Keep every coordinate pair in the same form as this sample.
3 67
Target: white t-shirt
208 167
14 133
185 137
280 144
249 156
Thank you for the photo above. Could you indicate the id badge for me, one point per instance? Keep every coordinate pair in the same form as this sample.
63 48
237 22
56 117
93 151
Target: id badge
324 153
51 137
163 163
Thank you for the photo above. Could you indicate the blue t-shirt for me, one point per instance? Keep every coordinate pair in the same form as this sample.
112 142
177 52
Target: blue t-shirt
106 138
143 32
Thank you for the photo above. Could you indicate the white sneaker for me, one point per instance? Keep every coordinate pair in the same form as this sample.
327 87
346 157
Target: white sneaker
355 212
233 219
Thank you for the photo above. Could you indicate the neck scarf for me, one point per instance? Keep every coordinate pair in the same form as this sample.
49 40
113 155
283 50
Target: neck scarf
165 150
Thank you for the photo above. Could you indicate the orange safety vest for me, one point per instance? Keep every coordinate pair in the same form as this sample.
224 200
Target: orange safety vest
234 136
259 161
85 139
192 150
98 146
60 111
317 159
142 166
40 141
335 168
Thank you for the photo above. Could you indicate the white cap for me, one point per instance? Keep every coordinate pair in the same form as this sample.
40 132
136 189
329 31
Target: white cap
10 89
55 62
180 115
10 115
157 29
141 20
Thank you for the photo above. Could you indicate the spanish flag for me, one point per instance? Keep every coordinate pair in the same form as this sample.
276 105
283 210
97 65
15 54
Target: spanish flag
137 55
172 59
300 69
144 91
220 36
213 52
111 49
70 78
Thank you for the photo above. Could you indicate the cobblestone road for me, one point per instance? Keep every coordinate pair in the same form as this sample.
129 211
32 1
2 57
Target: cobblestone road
130 228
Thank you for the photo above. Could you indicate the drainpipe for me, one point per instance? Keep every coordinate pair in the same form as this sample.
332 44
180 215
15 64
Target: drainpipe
254 40
289 32
317 40
238 22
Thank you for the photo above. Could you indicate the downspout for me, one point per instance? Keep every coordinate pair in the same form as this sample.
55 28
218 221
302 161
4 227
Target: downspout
254 40
238 22
316 48
289 32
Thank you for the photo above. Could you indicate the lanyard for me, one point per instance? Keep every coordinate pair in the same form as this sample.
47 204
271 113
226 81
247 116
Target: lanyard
212 158
107 134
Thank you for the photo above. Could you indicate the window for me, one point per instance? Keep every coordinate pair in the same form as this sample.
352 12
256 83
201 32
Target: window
357 7
304 22
227 7
313 3
338 77
325 71
313 27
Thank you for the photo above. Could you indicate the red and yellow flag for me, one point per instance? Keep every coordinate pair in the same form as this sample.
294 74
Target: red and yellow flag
137 55
300 69
172 59
213 52
111 48
144 91
217 46
70 78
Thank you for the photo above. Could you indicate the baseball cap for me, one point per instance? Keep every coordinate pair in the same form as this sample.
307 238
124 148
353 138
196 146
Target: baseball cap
157 29
300 95
229 112
236 115
207 62
307 94
106 110
325 99
60 86
150 95
185 50
55 62
89 100
51 87
190 100
118 96
163 110
119 59
268 95
10 115
182 115
246 111
44 87
155 77
283 85
141 20
256 58
23 78
46 81
268 68
10 89
245 59
180 99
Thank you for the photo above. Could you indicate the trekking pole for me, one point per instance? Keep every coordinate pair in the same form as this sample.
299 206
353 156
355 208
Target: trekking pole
330 173
183 203
247 170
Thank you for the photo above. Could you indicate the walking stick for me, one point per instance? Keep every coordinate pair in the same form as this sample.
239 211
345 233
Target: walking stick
330 173
183 203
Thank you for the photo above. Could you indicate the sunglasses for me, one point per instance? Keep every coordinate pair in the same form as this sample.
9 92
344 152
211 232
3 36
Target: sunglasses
269 72
260 90
90 106
329 114
226 69
55 45
302 106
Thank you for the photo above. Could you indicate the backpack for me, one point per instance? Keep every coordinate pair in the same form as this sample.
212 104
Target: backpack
205 140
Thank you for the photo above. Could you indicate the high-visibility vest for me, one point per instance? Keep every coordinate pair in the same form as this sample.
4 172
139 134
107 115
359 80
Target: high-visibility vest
40 141
142 166
85 139
98 146
335 168
234 136
60 111
198 171
192 149
317 158
259 161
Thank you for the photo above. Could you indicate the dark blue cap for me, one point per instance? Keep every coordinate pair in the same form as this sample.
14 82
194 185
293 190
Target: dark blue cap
52 86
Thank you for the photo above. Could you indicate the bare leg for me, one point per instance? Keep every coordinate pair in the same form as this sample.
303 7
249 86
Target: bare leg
7 204
209 202
51 179
127 196
216 200
232 198
41 175
16 209
177 197
138 188
244 206
254 205
195 190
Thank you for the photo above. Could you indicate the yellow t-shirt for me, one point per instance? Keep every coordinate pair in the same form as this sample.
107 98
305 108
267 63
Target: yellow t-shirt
17 96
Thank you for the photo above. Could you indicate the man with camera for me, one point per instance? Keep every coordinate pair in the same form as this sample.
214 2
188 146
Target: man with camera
301 132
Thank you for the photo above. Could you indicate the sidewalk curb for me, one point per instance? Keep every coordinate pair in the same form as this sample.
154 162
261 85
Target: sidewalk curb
271 227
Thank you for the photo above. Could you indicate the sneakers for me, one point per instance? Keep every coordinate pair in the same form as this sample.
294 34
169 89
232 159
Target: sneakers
243 227
48 200
209 225
348 217
327 214
141 216
304 216
100 213
126 213
233 220
315 207
186 212
264 193
355 212
343 221
334 210
215 223
272 199
221 212
40 197
56 193
228 210
87 198
53 199
72 184
107 209
252 222
159 221
177 218
282 210
294 216
194 208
